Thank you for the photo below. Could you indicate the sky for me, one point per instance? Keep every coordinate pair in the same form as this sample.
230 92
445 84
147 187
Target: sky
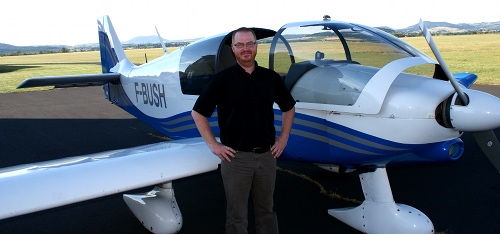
69 22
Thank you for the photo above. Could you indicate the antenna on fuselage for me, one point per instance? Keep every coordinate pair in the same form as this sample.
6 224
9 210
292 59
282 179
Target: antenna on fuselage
161 42
326 18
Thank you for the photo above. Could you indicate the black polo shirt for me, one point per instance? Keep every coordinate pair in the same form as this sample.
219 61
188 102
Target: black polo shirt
245 105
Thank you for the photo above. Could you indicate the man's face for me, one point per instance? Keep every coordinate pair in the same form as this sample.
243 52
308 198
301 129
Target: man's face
244 47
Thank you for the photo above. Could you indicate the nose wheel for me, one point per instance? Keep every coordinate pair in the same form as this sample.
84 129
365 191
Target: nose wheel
379 213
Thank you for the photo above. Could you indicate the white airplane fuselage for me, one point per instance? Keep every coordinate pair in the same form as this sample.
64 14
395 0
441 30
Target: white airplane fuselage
350 138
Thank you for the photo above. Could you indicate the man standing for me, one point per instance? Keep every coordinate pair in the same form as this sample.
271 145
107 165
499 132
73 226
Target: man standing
244 95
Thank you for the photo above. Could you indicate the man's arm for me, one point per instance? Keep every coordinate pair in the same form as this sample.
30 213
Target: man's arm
286 128
225 153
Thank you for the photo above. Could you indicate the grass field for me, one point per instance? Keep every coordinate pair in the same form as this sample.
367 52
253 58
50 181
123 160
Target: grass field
15 69
478 54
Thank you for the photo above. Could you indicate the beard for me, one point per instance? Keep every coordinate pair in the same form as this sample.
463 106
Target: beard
245 57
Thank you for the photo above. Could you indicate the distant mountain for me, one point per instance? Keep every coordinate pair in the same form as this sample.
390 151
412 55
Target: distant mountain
10 49
450 28
144 40
153 40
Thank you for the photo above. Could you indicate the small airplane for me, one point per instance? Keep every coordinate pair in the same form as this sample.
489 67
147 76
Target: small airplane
366 101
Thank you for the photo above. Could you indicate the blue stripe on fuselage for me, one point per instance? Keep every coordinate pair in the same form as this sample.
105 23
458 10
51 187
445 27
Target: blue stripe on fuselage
328 142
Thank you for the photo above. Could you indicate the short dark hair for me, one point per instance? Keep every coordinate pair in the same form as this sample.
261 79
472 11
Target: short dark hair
243 29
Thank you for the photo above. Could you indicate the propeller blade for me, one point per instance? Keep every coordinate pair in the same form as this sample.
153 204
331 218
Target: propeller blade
430 41
488 142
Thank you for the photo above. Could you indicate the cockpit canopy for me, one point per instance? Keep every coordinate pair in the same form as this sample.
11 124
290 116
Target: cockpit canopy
324 62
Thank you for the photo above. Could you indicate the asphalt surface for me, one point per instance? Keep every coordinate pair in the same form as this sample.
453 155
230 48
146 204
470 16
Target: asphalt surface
462 197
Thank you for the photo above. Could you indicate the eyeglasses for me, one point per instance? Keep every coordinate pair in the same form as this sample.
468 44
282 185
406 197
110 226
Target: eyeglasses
248 44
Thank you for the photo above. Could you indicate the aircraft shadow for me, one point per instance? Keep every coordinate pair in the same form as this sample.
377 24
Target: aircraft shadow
12 68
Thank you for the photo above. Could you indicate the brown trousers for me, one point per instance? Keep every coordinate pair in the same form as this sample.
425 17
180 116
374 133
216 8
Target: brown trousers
256 172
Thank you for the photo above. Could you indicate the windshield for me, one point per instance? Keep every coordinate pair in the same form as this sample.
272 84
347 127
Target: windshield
331 62
333 42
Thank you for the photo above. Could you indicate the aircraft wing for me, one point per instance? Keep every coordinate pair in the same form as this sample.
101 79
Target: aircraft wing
71 81
33 187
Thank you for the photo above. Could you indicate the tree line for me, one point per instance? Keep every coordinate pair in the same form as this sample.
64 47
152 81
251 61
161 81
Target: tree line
86 48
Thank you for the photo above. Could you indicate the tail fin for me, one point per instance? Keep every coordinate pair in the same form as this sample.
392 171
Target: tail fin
112 52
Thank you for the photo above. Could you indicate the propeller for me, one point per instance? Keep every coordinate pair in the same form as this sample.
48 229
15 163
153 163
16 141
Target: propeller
487 140
435 50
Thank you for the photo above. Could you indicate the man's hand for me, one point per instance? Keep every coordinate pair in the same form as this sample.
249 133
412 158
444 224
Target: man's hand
279 146
281 141
225 153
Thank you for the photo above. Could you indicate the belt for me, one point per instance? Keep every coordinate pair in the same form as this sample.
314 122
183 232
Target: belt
258 150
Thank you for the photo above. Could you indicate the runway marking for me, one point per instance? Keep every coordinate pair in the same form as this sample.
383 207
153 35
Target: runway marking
322 189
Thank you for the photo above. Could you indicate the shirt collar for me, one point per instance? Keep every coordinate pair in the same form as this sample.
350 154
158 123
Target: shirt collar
240 68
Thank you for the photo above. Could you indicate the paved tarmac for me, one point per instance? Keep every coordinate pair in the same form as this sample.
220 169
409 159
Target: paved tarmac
462 197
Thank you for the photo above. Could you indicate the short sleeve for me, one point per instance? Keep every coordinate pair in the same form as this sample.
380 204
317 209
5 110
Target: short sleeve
207 101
